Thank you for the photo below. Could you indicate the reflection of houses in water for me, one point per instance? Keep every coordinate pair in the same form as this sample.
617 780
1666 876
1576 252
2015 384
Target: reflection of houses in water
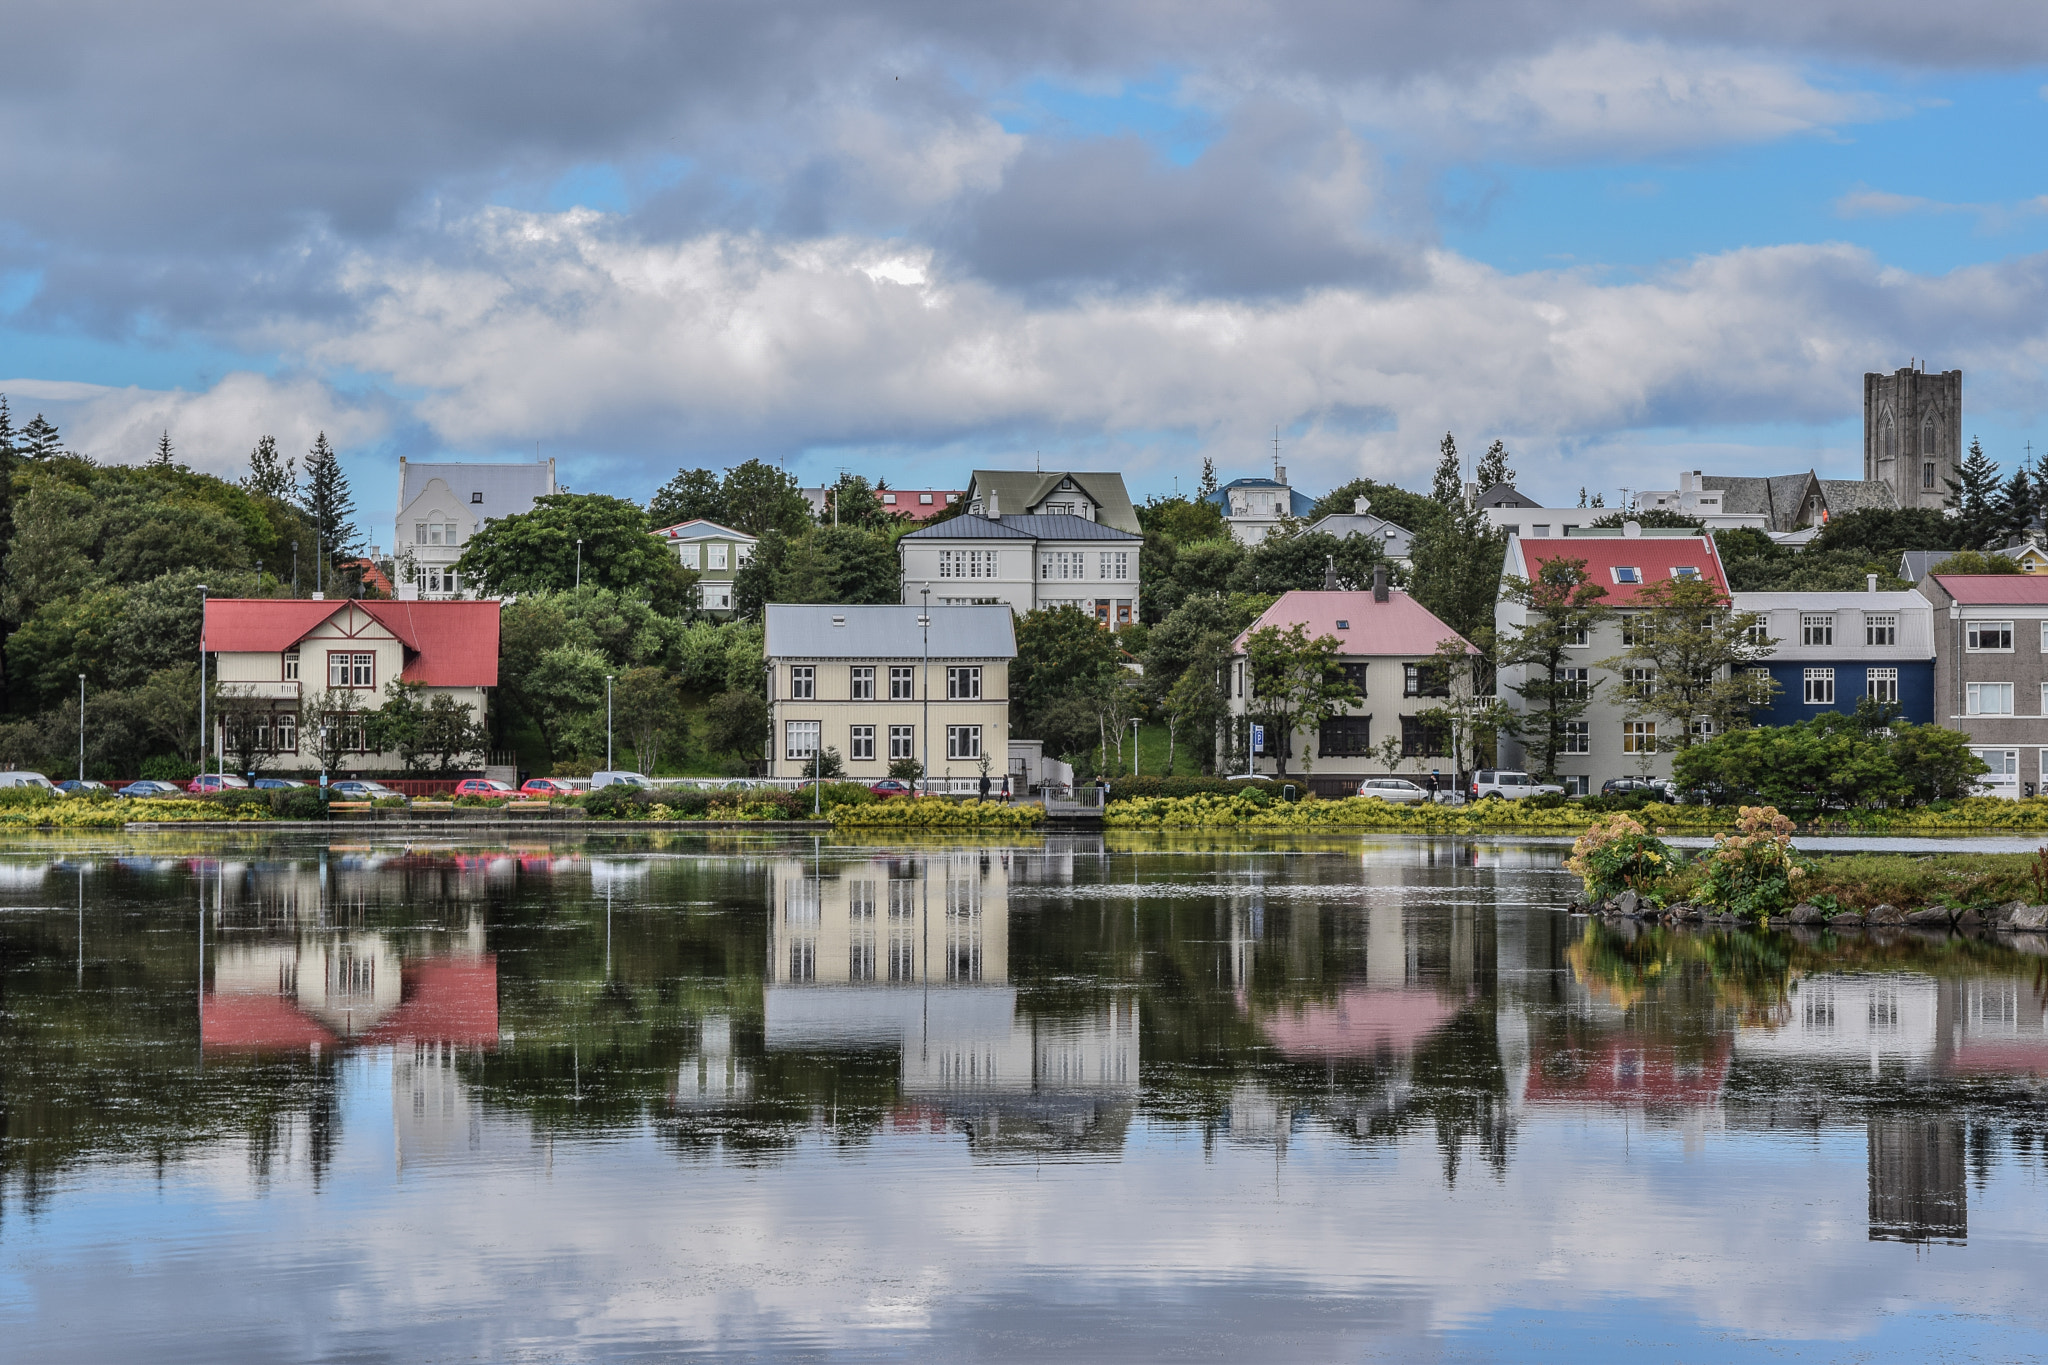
911 954
1975 1024
1918 1188
712 1074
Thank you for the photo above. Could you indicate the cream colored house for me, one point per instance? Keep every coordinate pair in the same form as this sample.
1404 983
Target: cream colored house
316 660
441 505
881 684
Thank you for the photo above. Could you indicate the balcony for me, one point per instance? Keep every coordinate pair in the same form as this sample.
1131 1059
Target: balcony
267 691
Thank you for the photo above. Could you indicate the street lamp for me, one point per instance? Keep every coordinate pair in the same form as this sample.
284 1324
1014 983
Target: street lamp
81 727
924 741
579 562
607 722
202 679
1134 746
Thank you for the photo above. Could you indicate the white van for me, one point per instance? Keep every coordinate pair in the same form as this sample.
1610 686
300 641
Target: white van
1511 785
26 780
618 779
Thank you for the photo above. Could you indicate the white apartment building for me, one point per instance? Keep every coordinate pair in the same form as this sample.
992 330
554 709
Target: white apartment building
1025 563
441 505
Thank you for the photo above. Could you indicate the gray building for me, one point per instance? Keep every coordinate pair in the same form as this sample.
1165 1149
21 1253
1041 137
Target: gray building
1991 672
1913 433
1025 563
1069 493
441 504
1398 541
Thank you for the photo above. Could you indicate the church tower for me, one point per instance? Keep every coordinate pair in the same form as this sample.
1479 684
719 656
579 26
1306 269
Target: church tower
1913 433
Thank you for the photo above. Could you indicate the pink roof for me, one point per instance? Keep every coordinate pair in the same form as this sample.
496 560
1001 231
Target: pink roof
1996 589
908 507
1654 557
447 644
1359 1023
1399 625
441 1001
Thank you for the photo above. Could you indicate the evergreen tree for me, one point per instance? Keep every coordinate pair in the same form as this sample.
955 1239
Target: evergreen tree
1972 497
1209 485
39 440
2013 509
1582 495
1448 486
165 457
1493 467
270 475
328 504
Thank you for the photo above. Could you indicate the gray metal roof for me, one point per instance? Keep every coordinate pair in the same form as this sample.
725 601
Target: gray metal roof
808 632
1505 495
1063 526
1914 564
508 489
1344 525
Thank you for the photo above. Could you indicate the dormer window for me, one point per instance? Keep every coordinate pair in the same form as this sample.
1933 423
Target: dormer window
476 497
1627 573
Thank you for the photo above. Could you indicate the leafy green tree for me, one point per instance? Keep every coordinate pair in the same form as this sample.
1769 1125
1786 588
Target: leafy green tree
2012 511
1562 605
736 724
329 505
1467 716
1064 660
1456 564
1409 511
1697 652
165 457
245 721
1976 561
1660 518
854 503
1935 763
537 551
1882 532
1294 560
1294 684
1493 467
428 733
271 475
1447 484
650 712
692 495
1756 563
1832 762
1208 486
760 498
1172 573
1973 500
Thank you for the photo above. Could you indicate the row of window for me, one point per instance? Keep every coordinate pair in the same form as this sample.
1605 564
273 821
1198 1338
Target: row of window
1817 685
967 563
1819 629
963 682
435 533
800 740
1630 573
279 733
1112 566
345 668
715 554
1417 680
1994 699
1351 737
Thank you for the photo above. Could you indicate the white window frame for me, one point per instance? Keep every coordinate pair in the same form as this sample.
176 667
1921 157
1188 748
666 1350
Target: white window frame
715 555
1761 684
1882 685
1818 687
800 739
1629 574
1578 737
689 554
1999 694
1976 632
902 682
1816 629
902 742
803 682
291 665
963 682
1880 629
2004 765
963 741
860 744
860 682
1639 736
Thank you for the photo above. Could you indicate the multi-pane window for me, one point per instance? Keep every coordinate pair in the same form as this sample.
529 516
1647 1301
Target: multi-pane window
902 683
803 682
902 742
1993 636
1881 684
1115 565
1063 564
1424 680
860 742
1638 683
1345 737
1987 699
967 563
435 533
1573 683
1816 630
963 741
1758 633
1575 637
860 683
351 670
287 733
1578 737
291 665
800 738
963 682
715 555
1636 630
1639 736
1819 686
1880 630
1424 739
1761 687
687 553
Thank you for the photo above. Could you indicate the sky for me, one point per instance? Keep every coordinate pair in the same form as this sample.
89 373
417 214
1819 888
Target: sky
907 239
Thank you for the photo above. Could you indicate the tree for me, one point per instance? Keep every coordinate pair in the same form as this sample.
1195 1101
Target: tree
247 724
692 495
1409 511
1447 485
1493 467
1976 561
1756 563
1884 532
1187 660
1973 499
2012 511
1286 561
537 551
1562 604
1456 570
427 733
329 505
1208 487
852 503
165 457
1694 653
649 710
736 723
1833 761
759 498
270 476
334 729
1295 683
39 439
1466 711
1660 517
1063 656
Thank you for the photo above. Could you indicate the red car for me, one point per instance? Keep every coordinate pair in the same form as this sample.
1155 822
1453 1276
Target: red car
547 786
483 786
888 787
215 782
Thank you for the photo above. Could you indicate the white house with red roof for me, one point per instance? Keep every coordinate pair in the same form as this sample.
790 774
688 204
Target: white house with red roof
1606 742
1385 640
316 658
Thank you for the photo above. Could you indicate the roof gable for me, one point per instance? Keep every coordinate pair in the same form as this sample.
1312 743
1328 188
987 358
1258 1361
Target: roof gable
1022 490
447 644
701 528
1363 626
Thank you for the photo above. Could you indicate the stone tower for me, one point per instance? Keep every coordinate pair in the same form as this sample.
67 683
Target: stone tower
1913 433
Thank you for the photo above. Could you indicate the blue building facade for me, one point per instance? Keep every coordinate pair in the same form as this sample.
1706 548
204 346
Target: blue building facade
1832 649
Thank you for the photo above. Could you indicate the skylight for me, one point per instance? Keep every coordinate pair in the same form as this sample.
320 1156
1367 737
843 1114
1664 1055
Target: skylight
1343 624
1686 571
1627 573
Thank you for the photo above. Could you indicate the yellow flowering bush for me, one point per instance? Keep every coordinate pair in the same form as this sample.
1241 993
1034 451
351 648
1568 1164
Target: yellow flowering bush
75 814
1754 872
935 812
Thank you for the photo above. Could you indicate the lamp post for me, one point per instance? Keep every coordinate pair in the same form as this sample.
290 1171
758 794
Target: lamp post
607 722
202 679
924 741
579 562
81 727
1134 746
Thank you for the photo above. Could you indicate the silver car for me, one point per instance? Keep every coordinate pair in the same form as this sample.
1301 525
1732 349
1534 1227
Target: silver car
1397 790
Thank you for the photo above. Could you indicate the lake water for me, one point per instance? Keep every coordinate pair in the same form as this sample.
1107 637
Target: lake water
1066 1099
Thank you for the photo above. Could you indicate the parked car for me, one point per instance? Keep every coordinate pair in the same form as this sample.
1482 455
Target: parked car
361 789
1398 790
151 787
26 780
618 779
1511 786
216 782
545 787
80 786
273 784
890 786
1622 786
483 786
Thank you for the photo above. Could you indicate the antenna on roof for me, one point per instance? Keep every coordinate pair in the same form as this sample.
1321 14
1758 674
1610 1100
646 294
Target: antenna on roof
1038 462
1276 454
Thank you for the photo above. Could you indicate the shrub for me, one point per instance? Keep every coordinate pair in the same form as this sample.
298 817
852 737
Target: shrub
616 802
847 794
937 812
169 768
1139 788
1616 855
235 798
297 803
1754 871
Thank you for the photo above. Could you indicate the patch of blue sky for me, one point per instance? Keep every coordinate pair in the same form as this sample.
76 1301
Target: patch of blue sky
1944 183
606 186
1155 110
30 353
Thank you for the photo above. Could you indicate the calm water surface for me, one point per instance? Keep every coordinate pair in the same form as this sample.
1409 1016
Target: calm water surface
1064 1100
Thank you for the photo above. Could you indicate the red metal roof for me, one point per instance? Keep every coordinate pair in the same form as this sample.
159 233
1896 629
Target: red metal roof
447 644
1653 557
908 507
1400 625
1996 589
443 1000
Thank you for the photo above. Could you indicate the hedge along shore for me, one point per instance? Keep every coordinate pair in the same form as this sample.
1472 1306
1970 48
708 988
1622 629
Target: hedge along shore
936 812
1972 816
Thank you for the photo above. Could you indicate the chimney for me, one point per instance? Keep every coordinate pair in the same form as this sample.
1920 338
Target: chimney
1279 473
1360 506
1379 582
995 507
1329 573
1871 579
